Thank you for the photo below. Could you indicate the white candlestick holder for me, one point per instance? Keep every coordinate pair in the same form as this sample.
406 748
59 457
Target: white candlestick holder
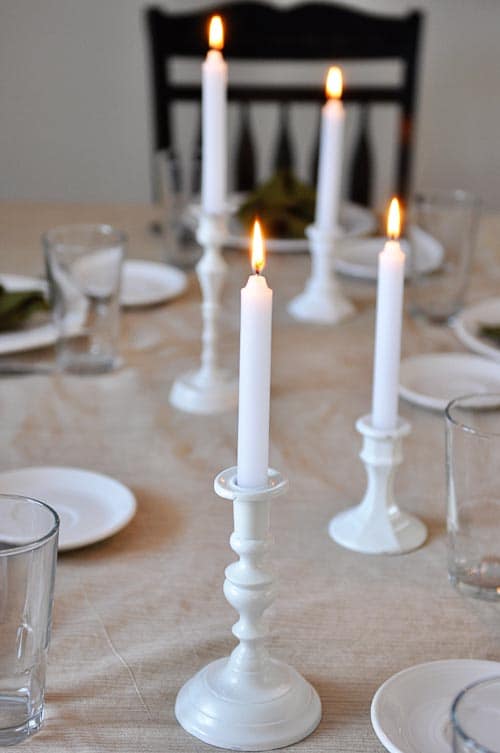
377 525
249 701
322 299
210 389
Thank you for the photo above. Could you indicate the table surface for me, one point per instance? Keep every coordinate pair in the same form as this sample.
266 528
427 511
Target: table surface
135 616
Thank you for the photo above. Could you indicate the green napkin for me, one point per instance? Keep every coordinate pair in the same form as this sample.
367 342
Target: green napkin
284 204
16 306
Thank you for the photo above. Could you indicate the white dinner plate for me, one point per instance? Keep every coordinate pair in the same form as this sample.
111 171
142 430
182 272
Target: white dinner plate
358 257
467 324
433 379
91 506
355 221
145 283
410 712
38 336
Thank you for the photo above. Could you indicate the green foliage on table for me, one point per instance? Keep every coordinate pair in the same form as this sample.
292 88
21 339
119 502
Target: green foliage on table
284 205
16 306
491 332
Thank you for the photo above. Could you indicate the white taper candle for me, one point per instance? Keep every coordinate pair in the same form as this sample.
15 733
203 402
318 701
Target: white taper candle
390 289
255 373
214 123
330 155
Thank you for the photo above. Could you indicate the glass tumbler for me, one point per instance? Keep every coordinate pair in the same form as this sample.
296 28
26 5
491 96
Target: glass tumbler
473 491
84 265
28 553
475 718
444 225
180 189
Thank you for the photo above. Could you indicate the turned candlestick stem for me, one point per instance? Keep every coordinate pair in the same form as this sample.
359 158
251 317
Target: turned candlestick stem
322 300
249 701
210 389
377 525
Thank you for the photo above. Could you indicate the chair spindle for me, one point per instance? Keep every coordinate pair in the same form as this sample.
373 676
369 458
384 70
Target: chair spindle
245 152
284 157
195 176
313 171
361 182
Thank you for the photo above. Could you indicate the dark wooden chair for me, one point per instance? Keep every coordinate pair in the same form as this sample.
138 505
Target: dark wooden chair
310 32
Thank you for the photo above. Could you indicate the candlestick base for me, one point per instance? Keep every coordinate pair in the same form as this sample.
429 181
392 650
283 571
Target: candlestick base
195 392
249 701
254 712
377 525
322 300
321 306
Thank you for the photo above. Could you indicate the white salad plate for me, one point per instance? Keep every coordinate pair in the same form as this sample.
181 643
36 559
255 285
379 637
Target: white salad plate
355 221
91 506
410 712
468 323
39 335
145 283
432 380
358 257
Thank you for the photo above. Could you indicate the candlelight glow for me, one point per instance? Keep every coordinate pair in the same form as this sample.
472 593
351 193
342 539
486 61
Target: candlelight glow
258 250
334 83
216 33
394 219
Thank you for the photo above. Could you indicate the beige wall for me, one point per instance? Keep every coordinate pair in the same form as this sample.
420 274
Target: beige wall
74 113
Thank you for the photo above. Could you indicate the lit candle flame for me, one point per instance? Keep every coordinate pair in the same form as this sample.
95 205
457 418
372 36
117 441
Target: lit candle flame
334 83
394 219
216 33
258 250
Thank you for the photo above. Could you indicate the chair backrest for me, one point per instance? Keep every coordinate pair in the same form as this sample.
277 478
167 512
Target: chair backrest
310 32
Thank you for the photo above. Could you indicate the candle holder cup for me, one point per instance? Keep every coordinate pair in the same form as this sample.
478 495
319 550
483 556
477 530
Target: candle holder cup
377 525
249 701
322 299
210 389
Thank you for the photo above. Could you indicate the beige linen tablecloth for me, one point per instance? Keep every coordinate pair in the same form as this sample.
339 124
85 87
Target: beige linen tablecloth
135 616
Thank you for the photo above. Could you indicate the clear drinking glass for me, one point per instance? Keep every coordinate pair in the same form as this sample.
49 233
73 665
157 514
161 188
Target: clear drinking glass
444 224
473 482
28 552
84 264
180 188
475 718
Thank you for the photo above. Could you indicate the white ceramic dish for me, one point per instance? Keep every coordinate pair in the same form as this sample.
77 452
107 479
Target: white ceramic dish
432 380
466 326
358 257
355 221
91 506
38 336
145 283
410 712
